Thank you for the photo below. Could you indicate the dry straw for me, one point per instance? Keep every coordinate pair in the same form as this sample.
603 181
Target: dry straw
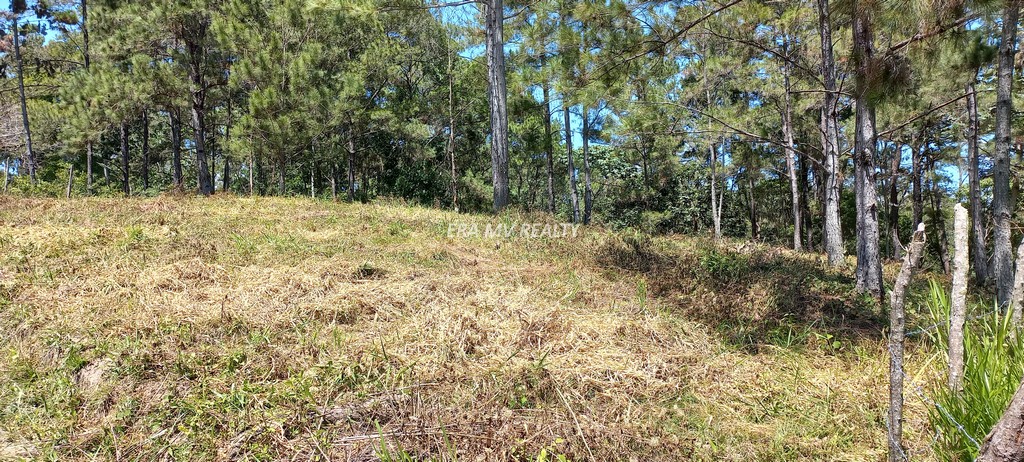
179 328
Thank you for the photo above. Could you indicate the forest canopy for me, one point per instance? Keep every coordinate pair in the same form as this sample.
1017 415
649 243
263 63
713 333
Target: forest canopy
834 127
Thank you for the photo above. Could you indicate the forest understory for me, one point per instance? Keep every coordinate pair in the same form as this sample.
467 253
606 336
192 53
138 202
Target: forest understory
181 328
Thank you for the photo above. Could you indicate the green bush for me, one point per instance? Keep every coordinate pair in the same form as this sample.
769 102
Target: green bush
993 366
723 266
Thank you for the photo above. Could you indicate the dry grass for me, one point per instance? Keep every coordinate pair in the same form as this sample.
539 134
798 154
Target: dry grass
277 329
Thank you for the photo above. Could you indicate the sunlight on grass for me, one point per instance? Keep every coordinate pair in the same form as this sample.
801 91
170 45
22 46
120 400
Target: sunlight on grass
280 328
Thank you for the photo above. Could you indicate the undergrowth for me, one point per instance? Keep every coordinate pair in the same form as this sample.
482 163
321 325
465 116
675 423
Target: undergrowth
993 366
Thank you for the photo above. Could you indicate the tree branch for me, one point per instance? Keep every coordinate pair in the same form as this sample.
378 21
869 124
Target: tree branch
918 116
926 35
659 44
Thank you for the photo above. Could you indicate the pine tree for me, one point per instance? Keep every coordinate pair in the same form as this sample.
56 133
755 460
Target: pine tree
18 8
832 236
1002 209
869 266
494 12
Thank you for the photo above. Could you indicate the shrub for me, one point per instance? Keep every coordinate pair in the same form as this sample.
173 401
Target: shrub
723 266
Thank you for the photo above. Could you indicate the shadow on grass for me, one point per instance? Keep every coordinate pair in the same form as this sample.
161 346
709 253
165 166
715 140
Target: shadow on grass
753 295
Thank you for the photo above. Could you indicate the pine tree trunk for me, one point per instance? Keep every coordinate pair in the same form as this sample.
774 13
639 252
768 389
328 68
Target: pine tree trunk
225 184
939 222
88 167
980 251
351 169
212 150
85 33
1003 443
716 216
897 331
261 177
869 267
198 94
281 170
958 298
30 158
832 234
550 147
916 178
794 187
644 148
588 193
531 205
519 183
367 174
145 151
87 60
334 182
451 133
7 173
804 203
495 49
226 181
572 167
894 205
1002 208
716 205
755 229
645 159
125 186
252 173
176 149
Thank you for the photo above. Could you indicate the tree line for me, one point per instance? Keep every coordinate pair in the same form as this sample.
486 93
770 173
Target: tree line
826 125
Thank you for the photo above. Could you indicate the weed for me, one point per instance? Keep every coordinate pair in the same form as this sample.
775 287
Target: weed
134 236
787 335
723 266
641 294
828 341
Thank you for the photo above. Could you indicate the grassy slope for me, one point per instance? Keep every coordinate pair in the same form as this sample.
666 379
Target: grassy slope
272 328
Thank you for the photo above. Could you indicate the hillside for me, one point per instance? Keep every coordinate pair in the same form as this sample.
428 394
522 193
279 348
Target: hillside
281 329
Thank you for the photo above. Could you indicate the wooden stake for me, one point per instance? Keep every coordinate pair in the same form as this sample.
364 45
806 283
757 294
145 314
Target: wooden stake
958 298
71 180
897 328
1017 298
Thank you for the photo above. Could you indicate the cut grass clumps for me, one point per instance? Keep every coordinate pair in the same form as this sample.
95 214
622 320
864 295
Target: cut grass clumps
277 329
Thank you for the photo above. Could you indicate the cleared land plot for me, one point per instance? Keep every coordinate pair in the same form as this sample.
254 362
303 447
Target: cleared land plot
285 329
